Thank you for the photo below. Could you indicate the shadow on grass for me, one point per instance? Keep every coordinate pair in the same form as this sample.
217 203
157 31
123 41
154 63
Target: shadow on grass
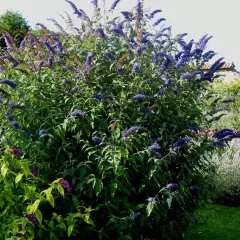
223 224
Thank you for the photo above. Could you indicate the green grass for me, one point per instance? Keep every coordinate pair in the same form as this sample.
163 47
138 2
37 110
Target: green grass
223 223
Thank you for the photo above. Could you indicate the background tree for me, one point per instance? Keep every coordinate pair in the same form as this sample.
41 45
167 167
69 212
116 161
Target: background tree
15 24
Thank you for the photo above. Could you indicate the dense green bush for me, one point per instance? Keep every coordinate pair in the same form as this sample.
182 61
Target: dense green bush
12 25
99 132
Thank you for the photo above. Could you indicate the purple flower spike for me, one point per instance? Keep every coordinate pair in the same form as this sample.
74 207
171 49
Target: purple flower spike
65 184
32 219
78 113
194 188
33 171
15 105
109 56
9 118
99 31
89 59
154 148
42 132
8 82
159 21
117 30
76 11
137 214
136 67
138 97
152 14
97 139
172 185
130 131
16 151
49 47
114 4
8 41
95 3
98 97
15 125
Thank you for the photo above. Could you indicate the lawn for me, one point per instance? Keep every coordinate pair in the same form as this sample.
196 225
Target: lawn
222 223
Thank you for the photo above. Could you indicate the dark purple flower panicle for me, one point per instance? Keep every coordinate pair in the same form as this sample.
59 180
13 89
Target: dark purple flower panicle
98 97
22 44
109 56
120 70
167 82
99 31
157 156
160 92
49 47
19 226
89 59
75 89
15 125
32 219
138 97
219 144
215 102
166 62
127 15
78 113
27 132
216 118
152 14
1 99
185 58
34 171
65 184
159 21
180 142
220 109
138 9
8 41
172 185
137 214
9 118
15 105
230 100
114 4
8 82
136 67
130 131
76 11
139 51
97 139
42 132
16 151
194 128
194 188
58 44
50 61
95 3
154 148
117 30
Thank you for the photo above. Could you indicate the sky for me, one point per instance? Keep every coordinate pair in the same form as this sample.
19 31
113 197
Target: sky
217 18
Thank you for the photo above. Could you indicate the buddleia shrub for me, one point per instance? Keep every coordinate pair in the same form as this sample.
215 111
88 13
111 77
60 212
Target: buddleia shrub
103 130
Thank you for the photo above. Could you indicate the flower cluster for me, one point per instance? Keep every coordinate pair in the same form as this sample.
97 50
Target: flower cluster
33 219
65 184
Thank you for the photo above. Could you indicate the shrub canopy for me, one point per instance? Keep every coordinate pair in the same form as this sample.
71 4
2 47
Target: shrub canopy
100 131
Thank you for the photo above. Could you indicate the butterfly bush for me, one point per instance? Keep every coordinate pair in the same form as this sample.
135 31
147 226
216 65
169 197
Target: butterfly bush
101 132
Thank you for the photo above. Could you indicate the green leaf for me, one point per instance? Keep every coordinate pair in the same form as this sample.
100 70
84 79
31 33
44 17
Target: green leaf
70 229
18 177
51 199
25 168
38 215
150 207
98 187
35 205
113 188
4 169
60 189
169 201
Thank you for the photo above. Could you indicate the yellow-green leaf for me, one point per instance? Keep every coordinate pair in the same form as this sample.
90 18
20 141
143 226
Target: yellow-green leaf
35 205
51 199
70 229
38 215
60 189
4 169
18 178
